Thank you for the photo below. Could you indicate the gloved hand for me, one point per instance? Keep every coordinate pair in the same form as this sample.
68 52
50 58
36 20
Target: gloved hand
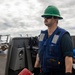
68 73
36 71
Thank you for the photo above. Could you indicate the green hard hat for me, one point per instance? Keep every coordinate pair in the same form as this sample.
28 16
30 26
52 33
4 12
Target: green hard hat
52 11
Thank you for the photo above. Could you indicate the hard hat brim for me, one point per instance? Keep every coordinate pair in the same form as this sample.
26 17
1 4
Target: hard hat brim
45 15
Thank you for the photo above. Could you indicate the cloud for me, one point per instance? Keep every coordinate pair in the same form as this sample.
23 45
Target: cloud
19 16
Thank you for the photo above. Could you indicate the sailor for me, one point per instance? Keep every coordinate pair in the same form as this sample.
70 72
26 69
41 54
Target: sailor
55 46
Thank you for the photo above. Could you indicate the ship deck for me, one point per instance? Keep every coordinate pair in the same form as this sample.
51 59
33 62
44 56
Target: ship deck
3 59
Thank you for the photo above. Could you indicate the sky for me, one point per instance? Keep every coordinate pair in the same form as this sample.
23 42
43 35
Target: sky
23 17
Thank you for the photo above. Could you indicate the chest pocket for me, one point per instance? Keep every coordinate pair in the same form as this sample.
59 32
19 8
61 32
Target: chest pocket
52 57
53 50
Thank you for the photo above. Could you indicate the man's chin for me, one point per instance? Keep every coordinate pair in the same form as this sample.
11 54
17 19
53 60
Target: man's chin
47 25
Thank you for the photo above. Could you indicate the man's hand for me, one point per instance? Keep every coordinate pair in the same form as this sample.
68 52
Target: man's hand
68 73
36 71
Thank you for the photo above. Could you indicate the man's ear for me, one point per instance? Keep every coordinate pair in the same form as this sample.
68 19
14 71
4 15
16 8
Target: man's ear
56 20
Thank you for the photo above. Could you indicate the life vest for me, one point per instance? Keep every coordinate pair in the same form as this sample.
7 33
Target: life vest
50 54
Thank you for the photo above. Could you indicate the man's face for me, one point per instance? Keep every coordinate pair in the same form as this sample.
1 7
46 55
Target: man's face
49 21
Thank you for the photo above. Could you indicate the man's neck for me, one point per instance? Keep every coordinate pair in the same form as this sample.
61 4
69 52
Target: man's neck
51 30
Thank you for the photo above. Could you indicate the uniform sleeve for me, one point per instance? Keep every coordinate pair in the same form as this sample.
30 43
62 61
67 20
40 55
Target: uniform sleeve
66 45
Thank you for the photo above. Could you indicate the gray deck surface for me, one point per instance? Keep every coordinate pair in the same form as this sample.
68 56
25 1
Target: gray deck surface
2 64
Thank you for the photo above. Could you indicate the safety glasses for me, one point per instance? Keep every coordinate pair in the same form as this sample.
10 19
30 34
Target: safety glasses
47 17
